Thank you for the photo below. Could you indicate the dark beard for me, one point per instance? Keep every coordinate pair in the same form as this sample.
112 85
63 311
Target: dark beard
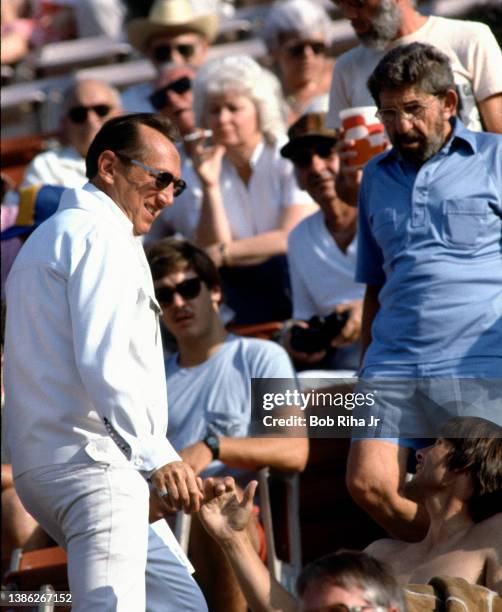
426 148
384 28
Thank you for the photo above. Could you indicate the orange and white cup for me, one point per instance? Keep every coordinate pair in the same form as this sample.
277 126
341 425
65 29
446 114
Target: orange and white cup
361 125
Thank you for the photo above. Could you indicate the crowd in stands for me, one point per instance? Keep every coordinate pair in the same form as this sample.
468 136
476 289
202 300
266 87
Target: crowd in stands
272 222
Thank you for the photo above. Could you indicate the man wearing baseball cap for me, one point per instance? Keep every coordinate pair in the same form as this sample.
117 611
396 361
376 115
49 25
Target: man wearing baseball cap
322 248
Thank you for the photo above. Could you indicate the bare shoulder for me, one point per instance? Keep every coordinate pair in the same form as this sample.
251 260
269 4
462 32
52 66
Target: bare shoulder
385 548
488 532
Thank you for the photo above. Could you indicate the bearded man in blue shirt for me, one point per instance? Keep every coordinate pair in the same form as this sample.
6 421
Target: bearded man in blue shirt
430 223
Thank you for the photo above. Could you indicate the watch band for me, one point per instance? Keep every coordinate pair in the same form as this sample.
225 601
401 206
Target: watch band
213 443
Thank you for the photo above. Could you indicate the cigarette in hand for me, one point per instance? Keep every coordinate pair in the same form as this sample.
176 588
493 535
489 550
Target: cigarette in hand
197 135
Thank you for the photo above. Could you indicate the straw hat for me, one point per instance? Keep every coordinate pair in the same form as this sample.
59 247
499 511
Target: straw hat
171 17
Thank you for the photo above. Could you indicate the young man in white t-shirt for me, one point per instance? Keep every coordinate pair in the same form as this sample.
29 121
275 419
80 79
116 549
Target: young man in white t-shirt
210 407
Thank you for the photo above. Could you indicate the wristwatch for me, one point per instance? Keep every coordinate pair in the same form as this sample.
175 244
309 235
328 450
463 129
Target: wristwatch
213 443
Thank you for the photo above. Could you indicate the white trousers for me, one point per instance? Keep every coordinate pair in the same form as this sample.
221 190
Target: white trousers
98 512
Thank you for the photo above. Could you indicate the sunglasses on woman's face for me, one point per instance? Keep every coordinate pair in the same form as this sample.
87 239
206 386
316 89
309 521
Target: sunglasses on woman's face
298 50
164 53
187 289
159 97
79 114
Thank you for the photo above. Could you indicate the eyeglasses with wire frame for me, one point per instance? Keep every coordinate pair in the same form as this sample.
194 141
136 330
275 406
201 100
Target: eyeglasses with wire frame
162 178
411 112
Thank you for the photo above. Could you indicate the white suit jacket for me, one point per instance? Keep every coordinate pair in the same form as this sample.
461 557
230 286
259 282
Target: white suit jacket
83 357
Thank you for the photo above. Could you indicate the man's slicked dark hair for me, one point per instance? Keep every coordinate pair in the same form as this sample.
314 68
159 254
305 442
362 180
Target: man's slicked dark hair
414 65
170 255
477 448
352 569
121 135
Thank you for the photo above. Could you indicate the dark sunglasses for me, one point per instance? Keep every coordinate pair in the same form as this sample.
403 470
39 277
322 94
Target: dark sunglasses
159 98
352 3
164 53
162 178
298 50
302 157
188 289
78 114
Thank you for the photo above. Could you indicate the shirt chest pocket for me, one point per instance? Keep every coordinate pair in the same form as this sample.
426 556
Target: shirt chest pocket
464 221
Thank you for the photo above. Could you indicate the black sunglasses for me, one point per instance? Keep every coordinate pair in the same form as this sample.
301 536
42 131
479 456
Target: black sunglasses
188 289
162 178
302 157
352 3
78 114
164 53
159 98
298 49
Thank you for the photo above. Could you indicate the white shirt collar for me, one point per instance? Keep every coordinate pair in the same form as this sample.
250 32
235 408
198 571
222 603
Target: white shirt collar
111 205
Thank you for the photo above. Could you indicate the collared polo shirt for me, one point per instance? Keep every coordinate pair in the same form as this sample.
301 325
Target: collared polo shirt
431 237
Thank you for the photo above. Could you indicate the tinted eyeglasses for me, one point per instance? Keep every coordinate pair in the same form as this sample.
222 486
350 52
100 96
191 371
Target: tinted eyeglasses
162 178
302 157
187 289
164 53
298 50
159 96
79 114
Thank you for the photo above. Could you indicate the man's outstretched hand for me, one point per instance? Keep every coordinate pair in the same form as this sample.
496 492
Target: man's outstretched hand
222 513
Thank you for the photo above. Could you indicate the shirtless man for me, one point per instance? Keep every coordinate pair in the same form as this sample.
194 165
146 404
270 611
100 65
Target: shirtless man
458 479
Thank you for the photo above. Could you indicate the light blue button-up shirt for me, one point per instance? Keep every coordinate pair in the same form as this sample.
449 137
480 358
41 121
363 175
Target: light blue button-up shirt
432 238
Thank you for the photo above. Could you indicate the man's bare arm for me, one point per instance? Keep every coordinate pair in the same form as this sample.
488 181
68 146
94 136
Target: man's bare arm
491 113
225 517
288 454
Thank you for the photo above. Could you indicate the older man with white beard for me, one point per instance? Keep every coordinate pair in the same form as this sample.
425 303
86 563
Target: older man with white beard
381 25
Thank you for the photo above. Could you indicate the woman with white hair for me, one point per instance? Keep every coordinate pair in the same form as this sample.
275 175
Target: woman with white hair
250 198
298 34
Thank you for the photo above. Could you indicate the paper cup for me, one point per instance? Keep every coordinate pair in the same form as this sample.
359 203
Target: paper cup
361 125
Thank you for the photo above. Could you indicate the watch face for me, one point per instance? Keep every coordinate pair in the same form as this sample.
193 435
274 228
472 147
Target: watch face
212 440
213 444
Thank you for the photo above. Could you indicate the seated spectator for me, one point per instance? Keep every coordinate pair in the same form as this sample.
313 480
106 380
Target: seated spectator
176 31
298 34
173 97
322 249
347 580
248 197
460 478
209 383
88 103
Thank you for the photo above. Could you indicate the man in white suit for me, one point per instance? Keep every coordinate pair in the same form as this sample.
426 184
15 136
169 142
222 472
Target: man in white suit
86 411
